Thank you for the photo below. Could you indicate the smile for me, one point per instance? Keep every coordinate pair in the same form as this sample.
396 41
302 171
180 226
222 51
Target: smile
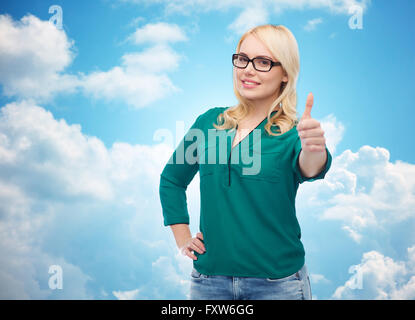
248 84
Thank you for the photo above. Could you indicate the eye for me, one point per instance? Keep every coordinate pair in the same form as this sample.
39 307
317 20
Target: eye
264 62
243 59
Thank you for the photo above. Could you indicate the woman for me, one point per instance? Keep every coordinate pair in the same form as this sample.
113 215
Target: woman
249 246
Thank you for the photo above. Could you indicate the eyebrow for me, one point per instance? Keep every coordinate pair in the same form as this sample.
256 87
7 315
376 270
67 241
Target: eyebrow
256 56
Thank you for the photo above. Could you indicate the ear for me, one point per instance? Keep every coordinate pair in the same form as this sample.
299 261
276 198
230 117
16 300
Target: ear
285 78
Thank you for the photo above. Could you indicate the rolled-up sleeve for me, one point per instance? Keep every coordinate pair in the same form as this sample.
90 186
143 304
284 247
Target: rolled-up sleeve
174 179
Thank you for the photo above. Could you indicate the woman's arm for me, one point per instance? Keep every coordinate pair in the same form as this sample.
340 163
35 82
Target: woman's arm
312 163
181 232
174 179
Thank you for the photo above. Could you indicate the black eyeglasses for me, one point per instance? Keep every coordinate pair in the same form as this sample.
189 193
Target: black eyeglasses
260 64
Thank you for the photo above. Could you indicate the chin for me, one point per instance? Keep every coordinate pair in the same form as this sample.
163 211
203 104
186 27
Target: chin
251 96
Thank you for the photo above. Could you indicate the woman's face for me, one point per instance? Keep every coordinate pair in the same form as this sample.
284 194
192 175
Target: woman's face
269 83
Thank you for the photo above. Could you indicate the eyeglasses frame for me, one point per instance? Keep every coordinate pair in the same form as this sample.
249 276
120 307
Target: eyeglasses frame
273 63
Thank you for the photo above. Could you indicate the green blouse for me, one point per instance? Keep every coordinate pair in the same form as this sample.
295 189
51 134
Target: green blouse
247 198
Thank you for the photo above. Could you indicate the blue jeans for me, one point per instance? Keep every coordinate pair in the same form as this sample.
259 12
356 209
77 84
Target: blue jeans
213 287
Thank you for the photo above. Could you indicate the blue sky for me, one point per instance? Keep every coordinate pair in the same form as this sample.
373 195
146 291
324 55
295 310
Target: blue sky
79 165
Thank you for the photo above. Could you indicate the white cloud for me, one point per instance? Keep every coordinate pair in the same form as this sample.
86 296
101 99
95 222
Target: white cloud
136 21
250 17
312 24
142 77
171 279
380 277
49 157
353 233
155 59
333 132
160 32
66 199
132 84
316 278
252 14
126 295
188 7
33 54
24 265
365 190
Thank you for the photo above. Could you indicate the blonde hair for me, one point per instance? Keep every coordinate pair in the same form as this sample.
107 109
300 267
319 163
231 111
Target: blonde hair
283 46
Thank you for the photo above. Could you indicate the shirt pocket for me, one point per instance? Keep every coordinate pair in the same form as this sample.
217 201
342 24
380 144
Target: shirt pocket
206 170
269 166
206 162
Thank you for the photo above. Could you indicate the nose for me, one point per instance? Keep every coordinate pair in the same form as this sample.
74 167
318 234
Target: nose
250 67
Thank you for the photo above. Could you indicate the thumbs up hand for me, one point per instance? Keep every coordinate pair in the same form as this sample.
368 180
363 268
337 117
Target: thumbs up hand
309 130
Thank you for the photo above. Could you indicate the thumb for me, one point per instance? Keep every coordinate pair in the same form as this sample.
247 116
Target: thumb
199 235
308 106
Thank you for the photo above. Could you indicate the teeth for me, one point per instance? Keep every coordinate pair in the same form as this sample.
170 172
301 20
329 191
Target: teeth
247 82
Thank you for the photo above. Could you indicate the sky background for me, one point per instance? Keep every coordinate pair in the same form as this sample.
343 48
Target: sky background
82 105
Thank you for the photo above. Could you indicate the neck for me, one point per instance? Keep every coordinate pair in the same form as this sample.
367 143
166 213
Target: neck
260 111
260 108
